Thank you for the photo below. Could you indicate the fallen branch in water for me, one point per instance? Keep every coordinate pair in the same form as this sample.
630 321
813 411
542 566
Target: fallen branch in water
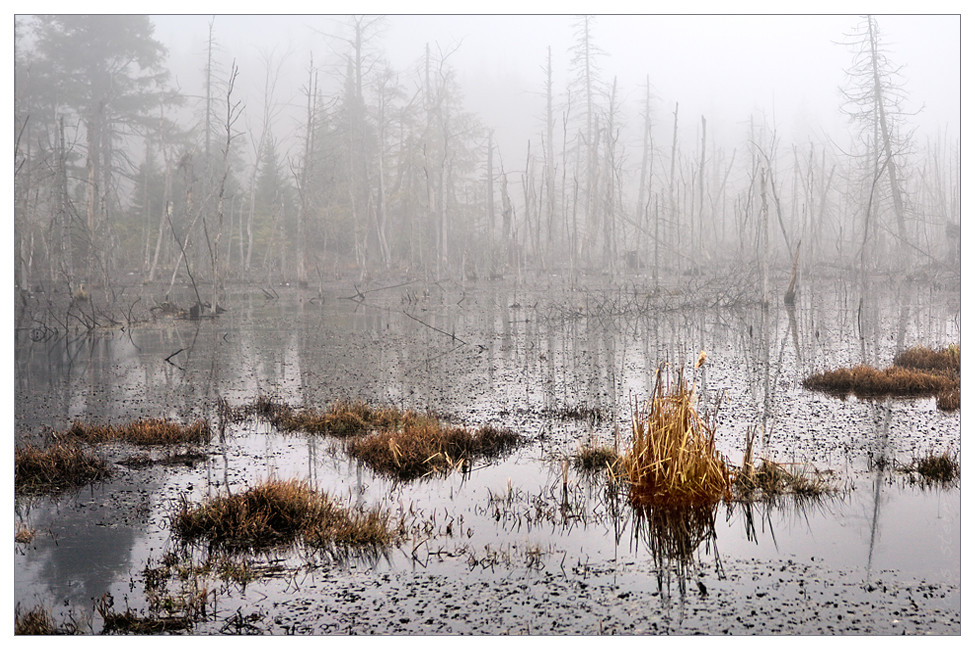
173 355
437 329
360 295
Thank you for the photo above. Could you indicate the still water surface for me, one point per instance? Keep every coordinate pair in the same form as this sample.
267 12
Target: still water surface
513 356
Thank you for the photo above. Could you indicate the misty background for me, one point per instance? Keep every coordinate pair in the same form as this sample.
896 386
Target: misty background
271 149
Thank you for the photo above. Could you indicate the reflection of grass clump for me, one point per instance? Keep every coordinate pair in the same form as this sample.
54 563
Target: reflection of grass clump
422 444
142 432
673 459
675 532
59 466
916 372
281 512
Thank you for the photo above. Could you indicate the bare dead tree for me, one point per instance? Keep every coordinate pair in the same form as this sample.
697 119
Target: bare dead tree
233 111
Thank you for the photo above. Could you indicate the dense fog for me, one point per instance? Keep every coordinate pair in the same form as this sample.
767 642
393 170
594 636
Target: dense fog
267 149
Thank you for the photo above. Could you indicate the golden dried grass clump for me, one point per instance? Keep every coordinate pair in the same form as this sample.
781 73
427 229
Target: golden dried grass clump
59 466
341 419
921 358
916 372
864 381
592 457
39 621
935 467
673 460
422 444
277 512
403 444
148 432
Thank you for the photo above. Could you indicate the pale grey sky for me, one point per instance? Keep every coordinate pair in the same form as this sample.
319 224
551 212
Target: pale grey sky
724 67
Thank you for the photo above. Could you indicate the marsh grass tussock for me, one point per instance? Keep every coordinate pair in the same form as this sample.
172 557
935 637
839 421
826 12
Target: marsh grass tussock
277 512
672 459
404 444
59 466
24 534
147 432
593 457
38 621
174 613
937 467
341 419
771 479
916 372
947 359
423 444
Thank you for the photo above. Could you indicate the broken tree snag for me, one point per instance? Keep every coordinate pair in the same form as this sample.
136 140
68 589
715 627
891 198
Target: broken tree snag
790 293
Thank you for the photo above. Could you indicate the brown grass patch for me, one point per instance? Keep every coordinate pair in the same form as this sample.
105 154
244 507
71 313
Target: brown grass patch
39 621
422 444
130 622
947 359
147 432
57 467
591 457
24 534
916 372
949 400
341 419
774 479
942 468
864 381
403 444
673 460
282 512
188 458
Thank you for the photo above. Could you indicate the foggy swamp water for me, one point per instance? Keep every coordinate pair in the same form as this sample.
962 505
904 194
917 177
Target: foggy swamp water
503 548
